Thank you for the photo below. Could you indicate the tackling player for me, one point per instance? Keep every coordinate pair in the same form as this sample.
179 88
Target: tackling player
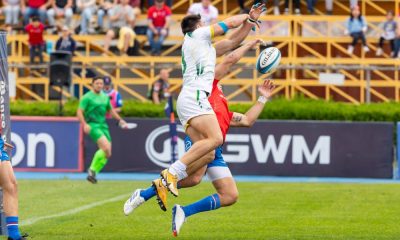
91 113
217 171
194 110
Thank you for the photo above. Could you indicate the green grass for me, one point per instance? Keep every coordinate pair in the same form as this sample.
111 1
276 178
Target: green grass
264 211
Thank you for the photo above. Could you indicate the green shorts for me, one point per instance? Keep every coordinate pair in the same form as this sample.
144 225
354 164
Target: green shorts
97 131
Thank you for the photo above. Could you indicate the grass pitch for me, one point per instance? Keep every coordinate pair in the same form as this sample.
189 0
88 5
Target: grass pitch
264 211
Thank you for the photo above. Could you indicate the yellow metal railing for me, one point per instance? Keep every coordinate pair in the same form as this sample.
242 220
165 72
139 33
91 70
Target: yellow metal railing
309 45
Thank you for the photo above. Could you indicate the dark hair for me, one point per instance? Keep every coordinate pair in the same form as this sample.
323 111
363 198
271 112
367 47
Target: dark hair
35 19
190 22
97 78
351 14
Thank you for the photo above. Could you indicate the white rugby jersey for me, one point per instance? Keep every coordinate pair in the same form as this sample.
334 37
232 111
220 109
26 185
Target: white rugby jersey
199 59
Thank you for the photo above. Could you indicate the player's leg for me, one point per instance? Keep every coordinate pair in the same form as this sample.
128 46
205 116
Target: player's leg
8 183
102 137
206 129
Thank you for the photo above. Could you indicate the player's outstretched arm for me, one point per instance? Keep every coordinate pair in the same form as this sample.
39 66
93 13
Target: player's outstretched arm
250 117
232 58
232 22
239 34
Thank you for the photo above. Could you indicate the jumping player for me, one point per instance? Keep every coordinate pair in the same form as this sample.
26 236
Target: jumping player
194 110
92 111
217 171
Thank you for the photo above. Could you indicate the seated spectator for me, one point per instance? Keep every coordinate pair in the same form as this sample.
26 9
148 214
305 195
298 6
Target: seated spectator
356 27
276 7
158 18
329 5
11 10
296 4
208 13
104 8
35 38
150 3
115 96
60 8
397 40
34 7
389 34
66 42
160 88
311 6
126 40
121 16
86 8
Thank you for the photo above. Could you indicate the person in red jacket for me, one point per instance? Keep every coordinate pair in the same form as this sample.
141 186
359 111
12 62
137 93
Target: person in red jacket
36 43
158 17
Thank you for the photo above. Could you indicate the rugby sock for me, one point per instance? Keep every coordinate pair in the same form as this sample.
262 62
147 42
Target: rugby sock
206 204
12 227
148 193
99 160
178 168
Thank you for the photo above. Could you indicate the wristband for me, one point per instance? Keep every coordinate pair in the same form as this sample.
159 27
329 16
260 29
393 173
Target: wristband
251 20
223 26
262 99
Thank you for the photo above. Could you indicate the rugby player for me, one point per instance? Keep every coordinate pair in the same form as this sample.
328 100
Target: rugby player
8 183
193 108
91 113
218 172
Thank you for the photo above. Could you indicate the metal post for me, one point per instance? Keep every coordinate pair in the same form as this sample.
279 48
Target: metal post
368 86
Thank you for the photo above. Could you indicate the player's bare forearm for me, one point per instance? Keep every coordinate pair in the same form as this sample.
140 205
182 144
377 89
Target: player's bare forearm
224 67
234 39
156 99
115 115
231 22
249 118
79 114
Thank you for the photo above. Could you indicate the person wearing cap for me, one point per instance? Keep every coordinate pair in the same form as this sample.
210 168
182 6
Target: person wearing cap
115 96
158 17
66 42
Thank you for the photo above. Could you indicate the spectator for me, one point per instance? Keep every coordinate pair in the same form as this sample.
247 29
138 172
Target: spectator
86 8
115 96
121 15
158 17
311 6
296 6
105 7
208 13
126 41
356 27
397 40
329 5
276 7
168 2
389 34
136 4
35 7
66 42
60 8
36 43
160 88
11 10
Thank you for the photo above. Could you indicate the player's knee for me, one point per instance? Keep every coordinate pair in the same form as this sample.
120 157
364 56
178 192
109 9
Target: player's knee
196 180
230 198
11 187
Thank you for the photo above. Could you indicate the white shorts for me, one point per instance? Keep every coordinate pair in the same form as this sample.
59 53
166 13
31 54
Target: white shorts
192 103
216 173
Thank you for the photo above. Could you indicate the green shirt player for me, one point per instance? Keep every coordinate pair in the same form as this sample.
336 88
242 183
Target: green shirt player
92 111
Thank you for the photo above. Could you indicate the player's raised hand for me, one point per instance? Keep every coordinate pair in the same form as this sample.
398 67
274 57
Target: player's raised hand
266 88
256 10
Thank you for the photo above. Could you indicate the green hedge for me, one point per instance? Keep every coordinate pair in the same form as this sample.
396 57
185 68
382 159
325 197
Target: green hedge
300 109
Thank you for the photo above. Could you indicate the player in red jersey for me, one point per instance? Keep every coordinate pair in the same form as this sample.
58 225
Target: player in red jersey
218 171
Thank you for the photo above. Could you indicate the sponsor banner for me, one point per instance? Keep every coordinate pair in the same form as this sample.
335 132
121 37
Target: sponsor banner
277 148
48 144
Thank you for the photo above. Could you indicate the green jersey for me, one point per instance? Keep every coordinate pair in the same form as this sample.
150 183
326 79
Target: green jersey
95 106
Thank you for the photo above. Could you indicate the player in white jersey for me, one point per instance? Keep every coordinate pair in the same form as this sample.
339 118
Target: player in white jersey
193 107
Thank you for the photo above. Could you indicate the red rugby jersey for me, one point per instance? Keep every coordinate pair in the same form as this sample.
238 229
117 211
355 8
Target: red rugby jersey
220 106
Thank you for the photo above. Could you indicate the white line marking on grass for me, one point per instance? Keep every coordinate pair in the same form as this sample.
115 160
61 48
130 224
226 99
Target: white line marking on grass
73 211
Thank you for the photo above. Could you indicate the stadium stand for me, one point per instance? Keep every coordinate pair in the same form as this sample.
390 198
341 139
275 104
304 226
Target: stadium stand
310 44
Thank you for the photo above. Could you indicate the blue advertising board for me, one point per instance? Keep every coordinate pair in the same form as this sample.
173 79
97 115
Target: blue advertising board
46 144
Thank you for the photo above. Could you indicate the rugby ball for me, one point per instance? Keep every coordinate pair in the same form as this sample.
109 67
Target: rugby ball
268 60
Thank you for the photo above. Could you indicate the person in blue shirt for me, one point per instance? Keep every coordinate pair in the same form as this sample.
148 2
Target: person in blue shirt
356 27
66 42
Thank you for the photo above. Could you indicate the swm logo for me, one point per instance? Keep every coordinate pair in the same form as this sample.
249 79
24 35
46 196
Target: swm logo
161 136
